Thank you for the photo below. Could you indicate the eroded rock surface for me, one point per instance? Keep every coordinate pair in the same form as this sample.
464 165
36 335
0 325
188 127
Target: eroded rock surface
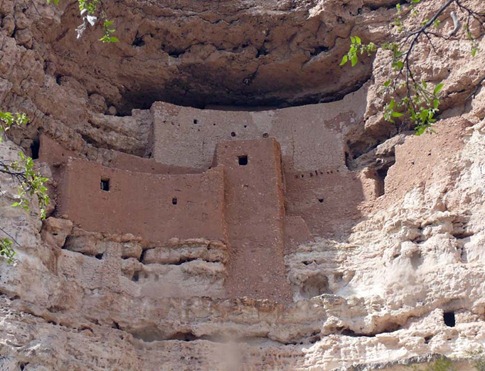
402 280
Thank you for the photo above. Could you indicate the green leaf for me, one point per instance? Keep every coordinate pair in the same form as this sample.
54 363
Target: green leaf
420 129
109 39
344 60
358 40
354 60
398 65
107 23
391 105
423 115
438 88
396 114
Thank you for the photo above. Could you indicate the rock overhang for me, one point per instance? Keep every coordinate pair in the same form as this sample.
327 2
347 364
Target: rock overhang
198 54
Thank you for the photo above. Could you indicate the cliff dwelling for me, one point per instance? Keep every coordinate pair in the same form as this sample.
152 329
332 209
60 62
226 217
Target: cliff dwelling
228 193
250 182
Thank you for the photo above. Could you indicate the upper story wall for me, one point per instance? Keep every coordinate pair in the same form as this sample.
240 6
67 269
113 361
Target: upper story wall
311 137
157 207
53 153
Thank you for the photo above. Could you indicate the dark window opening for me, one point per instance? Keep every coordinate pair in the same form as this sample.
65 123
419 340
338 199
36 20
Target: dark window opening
105 185
243 160
380 181
138 41
196 121
233 134
174 201
99 256
449 318
34 149
320 199
136 277
265 135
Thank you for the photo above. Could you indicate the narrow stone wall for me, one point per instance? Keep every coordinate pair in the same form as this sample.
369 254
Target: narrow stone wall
254 209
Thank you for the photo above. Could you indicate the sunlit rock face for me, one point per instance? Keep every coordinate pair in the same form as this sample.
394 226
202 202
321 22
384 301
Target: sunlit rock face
349 245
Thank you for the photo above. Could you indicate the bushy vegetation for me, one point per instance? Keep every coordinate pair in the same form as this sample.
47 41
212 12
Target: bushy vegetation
413 102
92 13
31 184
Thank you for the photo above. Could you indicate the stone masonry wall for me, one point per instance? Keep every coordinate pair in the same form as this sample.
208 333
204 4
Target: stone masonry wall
318 185
254 210
154 206
311 137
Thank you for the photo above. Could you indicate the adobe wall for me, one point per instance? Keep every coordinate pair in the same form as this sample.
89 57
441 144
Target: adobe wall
51 152
154 206
312 146
255 215
327 200
311 137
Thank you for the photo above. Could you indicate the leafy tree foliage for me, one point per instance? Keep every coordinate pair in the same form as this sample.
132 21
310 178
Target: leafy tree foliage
413 101
31 184
92 13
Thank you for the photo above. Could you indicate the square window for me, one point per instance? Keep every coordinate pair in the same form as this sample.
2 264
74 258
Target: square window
243 160
104 185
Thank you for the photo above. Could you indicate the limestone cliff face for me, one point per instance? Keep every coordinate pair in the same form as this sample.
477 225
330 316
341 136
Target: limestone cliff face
396 279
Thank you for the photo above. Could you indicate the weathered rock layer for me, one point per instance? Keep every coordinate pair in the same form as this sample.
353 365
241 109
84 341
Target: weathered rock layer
396 280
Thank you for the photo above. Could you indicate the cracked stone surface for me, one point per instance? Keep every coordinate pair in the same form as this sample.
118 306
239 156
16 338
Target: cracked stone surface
375 298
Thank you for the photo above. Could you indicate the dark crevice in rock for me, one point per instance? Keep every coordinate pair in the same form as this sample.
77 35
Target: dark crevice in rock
143 255
462 235
136 276
389 5
152 334
89 140
183 261
34 148
181 92
55 309
391 327
138 41
319 49
183 336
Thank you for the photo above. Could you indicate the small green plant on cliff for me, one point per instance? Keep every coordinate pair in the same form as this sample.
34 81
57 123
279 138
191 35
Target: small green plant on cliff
441 364
92 13
31 184
477 358
411 101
